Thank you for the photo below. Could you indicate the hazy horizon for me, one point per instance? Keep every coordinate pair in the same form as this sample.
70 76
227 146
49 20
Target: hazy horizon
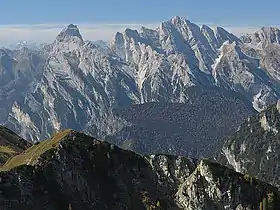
100 20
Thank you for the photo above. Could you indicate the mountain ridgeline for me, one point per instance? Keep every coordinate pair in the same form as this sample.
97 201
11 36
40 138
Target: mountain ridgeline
71 170
73 83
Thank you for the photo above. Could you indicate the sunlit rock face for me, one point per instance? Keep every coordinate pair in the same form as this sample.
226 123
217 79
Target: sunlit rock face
75 83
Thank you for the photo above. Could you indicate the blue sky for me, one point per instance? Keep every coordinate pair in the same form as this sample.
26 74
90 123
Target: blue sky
237 12
41 20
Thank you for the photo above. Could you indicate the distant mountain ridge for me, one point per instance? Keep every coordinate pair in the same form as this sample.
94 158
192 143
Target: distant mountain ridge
72 83
25 44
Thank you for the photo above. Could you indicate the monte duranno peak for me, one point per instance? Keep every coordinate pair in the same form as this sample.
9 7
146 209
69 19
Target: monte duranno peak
70 32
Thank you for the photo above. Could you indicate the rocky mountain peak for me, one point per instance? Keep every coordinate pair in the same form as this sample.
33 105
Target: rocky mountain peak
126 36
264 36
68 40
206 28
271 34
175 23
223 35
144 29
118 38
181 23
177 20
70 32
129 33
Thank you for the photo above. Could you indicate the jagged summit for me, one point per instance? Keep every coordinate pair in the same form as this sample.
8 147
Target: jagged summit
178 20
205 27
69 39
71 31
119 38
266 35
131 33
223 35
175 22
271 34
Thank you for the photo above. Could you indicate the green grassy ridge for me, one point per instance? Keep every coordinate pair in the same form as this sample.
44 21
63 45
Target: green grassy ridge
5 153
10 144
31 155
7 150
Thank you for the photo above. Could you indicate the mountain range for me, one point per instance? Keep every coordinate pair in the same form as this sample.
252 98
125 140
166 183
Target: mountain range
73 83
190 115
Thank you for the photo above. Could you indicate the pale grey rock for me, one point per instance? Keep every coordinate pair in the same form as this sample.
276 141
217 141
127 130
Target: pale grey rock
266 35
74 83
212 186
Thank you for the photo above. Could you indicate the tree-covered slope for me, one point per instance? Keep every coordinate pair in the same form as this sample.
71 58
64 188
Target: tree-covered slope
195 128
255 147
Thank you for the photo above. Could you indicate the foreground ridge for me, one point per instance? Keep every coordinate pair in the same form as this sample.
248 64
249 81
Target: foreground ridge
74 169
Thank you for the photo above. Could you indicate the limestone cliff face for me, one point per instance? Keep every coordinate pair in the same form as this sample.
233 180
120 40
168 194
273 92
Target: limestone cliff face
73 83
73 170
